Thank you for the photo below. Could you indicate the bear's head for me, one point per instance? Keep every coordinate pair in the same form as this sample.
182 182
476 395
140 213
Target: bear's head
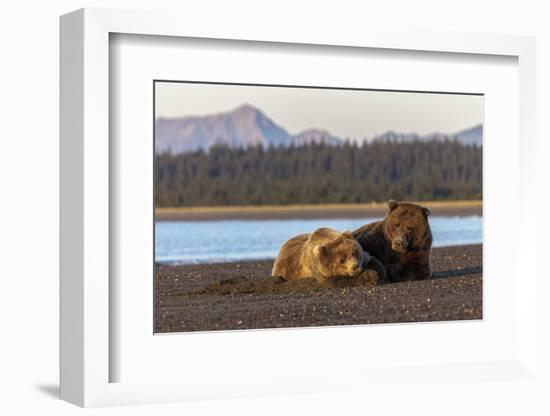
406 227
341 256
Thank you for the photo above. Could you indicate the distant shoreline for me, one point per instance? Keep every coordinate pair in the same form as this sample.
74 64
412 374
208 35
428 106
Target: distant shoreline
329 211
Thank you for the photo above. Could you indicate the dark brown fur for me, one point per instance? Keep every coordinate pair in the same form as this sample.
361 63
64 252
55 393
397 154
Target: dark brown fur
323 254
402 241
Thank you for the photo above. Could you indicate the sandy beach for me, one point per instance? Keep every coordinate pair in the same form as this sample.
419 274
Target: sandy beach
329 211
241 295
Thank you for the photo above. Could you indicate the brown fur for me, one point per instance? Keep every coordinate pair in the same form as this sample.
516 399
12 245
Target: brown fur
402 241
323 254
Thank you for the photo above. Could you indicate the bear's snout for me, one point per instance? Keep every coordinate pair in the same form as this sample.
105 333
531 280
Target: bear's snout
399 244
355 269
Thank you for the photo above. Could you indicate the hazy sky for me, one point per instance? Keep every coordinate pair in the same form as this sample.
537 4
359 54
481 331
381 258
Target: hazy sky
347 114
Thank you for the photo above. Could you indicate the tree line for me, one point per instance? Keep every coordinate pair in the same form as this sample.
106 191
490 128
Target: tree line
320 174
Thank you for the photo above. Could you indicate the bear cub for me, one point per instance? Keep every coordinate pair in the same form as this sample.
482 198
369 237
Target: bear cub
324 255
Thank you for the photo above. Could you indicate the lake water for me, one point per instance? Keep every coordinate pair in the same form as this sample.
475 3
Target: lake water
188 242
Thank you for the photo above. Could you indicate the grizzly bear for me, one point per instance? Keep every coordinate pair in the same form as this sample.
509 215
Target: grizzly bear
322 255
402 241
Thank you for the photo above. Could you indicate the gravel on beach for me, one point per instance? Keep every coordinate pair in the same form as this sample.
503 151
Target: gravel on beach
242 295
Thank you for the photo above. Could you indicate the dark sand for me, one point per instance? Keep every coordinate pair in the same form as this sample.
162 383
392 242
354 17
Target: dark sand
282 212
243 296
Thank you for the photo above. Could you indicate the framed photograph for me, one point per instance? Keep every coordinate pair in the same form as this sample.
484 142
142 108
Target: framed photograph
256 227
285 213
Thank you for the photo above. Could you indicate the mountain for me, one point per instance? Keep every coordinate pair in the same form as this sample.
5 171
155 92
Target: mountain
247 126
472 135
242 127
315 136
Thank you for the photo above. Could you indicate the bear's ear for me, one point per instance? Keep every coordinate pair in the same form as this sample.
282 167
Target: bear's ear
426 212
320 251
347 234
392 204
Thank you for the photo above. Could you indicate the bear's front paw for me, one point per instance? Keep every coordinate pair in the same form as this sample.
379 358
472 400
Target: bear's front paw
368 278
374 265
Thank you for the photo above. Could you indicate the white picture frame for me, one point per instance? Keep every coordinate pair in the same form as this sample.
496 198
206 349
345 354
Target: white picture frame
85 352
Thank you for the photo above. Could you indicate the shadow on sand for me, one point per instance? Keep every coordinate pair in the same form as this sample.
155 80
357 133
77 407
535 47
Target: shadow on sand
457 273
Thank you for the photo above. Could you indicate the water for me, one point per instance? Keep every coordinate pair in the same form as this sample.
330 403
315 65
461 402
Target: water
188 242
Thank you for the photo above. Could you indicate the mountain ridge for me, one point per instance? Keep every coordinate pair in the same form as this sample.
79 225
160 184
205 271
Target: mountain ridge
247 126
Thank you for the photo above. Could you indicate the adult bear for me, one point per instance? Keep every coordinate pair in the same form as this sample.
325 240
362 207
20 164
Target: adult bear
402 241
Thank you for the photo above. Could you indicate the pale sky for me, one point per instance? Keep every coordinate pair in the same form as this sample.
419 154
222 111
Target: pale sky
346 114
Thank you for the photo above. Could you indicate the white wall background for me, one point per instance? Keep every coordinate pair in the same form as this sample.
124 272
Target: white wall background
29 207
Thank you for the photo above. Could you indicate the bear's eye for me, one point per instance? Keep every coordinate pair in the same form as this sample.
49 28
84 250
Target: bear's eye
397 225
342 260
